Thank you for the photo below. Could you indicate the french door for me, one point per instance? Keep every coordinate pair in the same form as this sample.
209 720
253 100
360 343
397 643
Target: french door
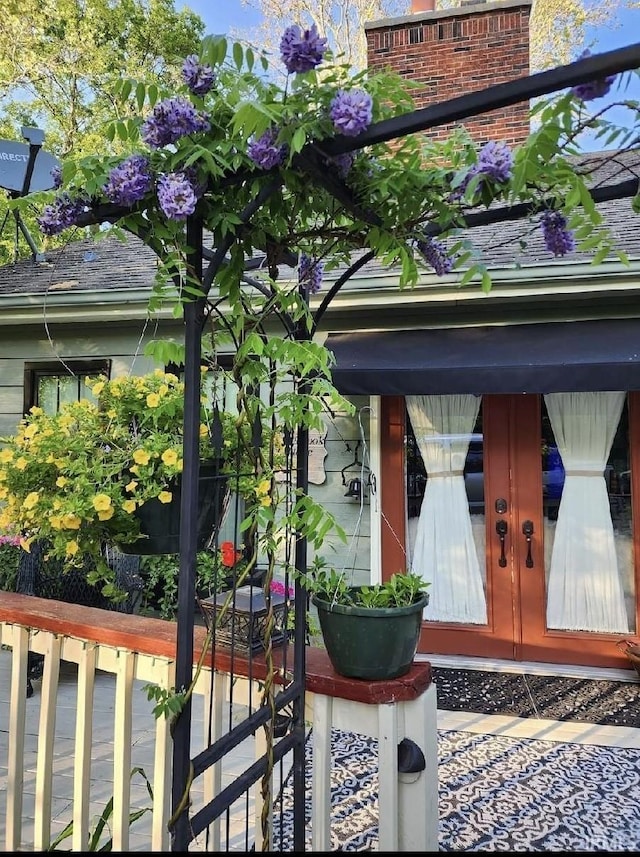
527 530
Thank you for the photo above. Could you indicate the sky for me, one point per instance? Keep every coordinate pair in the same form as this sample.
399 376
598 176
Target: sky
222 15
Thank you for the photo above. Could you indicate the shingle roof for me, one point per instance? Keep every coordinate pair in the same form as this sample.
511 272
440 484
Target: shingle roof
110 263
82 266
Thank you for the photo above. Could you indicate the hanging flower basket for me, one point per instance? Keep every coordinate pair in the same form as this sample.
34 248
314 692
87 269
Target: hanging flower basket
160 522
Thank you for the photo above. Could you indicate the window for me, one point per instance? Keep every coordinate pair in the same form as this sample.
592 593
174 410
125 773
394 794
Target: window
50 384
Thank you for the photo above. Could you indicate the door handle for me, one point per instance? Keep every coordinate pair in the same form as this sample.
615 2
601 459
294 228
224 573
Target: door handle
527 529
501 530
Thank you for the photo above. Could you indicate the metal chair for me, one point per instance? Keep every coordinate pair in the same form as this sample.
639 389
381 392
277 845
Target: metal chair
48 577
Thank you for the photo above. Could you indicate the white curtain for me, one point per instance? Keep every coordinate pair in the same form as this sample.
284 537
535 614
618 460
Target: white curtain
444 552
584 588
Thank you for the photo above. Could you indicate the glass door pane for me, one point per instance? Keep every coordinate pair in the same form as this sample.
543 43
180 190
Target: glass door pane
588 544
445 532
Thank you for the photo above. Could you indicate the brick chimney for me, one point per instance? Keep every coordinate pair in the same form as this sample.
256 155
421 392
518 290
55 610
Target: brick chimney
455 51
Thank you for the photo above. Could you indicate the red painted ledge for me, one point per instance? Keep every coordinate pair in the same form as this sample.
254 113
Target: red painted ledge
158 637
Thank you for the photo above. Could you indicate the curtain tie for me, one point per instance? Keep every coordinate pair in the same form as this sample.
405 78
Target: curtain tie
441 474
583 473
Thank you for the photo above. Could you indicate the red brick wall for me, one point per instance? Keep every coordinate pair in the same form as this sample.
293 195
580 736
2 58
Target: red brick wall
456 51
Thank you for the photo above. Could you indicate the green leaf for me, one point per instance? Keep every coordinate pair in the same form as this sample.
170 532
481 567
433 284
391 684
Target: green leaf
140 95
238 55
299 140
125 91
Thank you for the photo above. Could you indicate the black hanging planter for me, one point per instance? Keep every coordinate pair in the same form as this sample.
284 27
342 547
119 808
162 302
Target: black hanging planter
160 522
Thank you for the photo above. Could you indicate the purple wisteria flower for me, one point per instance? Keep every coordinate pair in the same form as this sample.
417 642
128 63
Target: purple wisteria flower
62 213
265 152
301 50
129 181
310 274
435 254
495 162
176 196
200 78
558 238
343 163
351 111
198 184
172 119
56 175
591 89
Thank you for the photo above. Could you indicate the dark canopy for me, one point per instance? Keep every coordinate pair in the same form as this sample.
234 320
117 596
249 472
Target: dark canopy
523 358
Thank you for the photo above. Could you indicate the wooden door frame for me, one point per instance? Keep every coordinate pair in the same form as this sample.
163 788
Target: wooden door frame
511 428
485 641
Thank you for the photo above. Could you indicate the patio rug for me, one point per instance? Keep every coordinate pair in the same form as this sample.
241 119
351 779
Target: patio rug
496 793
607 703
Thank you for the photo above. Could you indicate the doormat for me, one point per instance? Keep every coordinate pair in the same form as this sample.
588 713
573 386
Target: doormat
604 702
495 793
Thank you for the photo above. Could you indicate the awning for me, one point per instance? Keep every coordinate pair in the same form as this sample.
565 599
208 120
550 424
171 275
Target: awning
518 358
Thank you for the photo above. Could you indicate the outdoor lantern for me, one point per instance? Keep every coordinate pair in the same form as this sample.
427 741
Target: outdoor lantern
354 489
239 619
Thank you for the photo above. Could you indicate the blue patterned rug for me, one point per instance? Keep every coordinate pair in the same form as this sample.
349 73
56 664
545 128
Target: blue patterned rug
495 794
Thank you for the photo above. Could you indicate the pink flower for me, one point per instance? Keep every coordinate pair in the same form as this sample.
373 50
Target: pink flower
277 588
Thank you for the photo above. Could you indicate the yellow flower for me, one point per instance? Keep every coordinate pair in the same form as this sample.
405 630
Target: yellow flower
129 506
112 413
36 411
21 463
141 456
72 548
56 522
153 400
130 487
31 430
106 514
3 493
134 469
97 388
71 522
263 487
265 501
31 500
61 481
204 430
165 496
5 456
101 502
169 457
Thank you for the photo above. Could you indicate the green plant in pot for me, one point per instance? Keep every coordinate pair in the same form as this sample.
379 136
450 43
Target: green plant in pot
370 631
108 471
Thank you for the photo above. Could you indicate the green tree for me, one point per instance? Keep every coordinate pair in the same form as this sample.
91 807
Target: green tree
60 60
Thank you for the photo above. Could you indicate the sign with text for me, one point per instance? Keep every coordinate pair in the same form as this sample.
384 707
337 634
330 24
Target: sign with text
14 158
317 452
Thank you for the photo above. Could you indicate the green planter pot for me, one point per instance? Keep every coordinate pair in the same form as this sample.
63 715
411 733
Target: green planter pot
370 642
160 522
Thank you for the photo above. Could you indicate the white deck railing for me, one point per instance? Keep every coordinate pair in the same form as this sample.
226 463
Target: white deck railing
85 734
